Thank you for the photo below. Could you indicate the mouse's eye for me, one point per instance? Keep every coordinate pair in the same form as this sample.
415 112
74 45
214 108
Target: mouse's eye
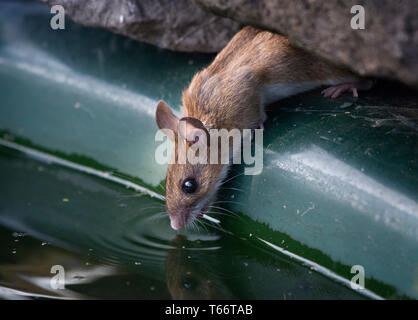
189 185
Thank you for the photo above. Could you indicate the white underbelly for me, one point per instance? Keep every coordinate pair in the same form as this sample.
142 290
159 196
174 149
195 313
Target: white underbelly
274 92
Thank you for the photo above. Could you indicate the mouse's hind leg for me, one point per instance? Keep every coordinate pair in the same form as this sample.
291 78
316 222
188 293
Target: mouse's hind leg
336 90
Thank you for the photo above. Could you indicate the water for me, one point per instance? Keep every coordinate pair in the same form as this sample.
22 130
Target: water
116 243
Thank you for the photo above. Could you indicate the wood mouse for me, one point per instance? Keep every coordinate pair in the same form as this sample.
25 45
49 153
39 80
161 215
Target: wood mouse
256 68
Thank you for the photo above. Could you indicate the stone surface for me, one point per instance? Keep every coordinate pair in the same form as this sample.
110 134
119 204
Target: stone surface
178 25
387 47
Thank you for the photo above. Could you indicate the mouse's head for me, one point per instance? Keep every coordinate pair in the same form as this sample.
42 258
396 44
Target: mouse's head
190 185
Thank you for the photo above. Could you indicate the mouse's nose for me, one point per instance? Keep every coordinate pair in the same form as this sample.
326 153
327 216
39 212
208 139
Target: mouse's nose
177 223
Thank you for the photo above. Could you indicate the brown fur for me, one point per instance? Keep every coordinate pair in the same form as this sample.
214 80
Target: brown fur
227 95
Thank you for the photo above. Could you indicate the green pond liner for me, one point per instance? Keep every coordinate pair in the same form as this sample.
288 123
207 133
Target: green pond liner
339 185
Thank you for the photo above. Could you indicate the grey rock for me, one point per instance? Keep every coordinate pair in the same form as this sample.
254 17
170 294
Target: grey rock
178 25
387 47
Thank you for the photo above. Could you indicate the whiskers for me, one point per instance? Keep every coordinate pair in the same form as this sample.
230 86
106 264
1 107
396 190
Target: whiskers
135 195
159 215
235 189
224 211
162 185
232 178
201 224
195 226
151 208
228 201
208 224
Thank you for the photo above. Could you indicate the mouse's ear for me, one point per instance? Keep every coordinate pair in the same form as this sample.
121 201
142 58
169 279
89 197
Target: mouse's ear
165 118
194 131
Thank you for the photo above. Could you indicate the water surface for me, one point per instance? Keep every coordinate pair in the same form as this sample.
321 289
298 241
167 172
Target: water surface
116 243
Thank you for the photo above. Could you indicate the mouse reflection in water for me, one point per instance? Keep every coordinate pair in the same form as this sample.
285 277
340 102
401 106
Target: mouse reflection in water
188 279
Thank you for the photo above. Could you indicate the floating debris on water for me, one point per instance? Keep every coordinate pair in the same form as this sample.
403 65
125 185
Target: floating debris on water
18 234
346 105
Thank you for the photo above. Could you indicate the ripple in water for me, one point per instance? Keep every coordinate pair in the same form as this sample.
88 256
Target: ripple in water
147 238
